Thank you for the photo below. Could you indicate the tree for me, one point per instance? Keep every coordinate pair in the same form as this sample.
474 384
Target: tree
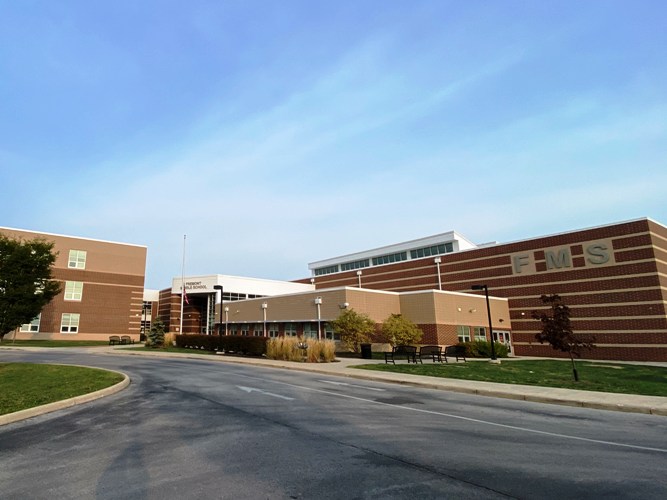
156 333
26 283
398 330
557 330
354 328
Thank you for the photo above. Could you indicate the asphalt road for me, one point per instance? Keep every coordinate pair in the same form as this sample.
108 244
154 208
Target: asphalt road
199 429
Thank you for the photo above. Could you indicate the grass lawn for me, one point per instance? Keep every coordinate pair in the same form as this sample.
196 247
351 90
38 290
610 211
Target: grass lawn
605 377
52 343
25 385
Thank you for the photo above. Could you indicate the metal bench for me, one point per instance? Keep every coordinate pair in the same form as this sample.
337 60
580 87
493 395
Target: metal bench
432 351
114 340
455 351
409 351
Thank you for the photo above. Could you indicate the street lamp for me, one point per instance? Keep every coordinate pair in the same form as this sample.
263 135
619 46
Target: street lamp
437 261
264 306
359 277
318 303
219 287
488 311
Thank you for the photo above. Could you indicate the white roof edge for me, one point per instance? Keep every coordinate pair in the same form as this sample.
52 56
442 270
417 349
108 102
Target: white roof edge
322 290
246 278
73 237
447 292
448 236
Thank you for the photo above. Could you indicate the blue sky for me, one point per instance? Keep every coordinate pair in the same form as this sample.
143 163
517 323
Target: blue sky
277 133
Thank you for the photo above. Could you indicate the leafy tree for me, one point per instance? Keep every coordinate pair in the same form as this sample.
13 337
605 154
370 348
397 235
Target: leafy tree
557 330
398 330
354 328
26 283
156 333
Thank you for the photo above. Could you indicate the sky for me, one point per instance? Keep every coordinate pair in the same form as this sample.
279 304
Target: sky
270 134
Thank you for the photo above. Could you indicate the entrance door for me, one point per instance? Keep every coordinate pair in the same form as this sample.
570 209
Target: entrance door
504 337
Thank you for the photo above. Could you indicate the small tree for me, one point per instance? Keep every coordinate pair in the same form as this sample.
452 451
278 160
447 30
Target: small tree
557 331
354 328
156 334
25 281
398 330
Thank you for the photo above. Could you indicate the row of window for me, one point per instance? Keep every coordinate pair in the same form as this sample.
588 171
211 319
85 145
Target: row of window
388 259
229 296
432 250
289 330
418 253
69 323
357 264
463 332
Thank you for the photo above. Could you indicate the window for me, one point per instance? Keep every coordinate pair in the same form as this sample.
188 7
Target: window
388 259
259 330
329 333
73 290
357 264
310 330
463 333
290 330
273 330
326 270
480 333
233 330
33 326
69 323
77 259
245 331
432 250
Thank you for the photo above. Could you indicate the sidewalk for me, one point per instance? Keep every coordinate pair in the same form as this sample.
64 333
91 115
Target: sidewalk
345 367
654 405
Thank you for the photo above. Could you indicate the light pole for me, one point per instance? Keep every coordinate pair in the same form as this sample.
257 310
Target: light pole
437 261
488 311
264 306
359 277
318 303
226 318
219 287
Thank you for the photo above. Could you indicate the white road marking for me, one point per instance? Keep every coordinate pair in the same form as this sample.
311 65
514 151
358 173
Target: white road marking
467 419
255 389
353 385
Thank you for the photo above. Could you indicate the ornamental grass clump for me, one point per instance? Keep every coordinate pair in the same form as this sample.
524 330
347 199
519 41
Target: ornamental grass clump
287 349
284 348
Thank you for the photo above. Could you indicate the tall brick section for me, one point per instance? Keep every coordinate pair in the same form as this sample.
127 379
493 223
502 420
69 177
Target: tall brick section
614 278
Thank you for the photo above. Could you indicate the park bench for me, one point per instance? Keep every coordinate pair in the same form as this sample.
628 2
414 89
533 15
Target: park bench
455 351
432 351
114 339
126 339
409 351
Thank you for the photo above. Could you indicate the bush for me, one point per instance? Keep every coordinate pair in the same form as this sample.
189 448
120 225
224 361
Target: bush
156 334
249 346
482 349
287 349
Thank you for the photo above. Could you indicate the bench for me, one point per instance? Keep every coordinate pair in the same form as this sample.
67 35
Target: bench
114 339
432 351
409 351
126 339
455 351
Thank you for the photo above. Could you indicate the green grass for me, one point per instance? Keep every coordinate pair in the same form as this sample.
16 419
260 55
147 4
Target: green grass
52 343
605 377
25 385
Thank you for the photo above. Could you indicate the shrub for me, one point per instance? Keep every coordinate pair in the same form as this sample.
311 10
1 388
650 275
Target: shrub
249 346
482 349
156 334
287 349
398 330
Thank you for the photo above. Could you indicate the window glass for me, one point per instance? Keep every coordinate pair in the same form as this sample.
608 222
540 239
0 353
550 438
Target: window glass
463 332
290 330
77 259
73 290
69 323
33 326
480 333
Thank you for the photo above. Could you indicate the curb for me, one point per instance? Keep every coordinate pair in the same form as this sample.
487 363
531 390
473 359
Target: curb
66 403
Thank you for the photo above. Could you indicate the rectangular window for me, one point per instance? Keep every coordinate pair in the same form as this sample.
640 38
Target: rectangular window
259 330
310 330
77 259
388 259
233 330
33 326
273 330
480 333
329 333
357 264
245 331
73 290
463 333
432 250
290 330
69 323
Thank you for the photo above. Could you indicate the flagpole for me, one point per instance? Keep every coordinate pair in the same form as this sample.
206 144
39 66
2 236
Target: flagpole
180 331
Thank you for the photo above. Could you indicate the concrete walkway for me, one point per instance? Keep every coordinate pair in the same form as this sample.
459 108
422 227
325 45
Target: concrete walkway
345 367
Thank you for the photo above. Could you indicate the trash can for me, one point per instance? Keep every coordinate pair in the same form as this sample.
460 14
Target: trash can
366 352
